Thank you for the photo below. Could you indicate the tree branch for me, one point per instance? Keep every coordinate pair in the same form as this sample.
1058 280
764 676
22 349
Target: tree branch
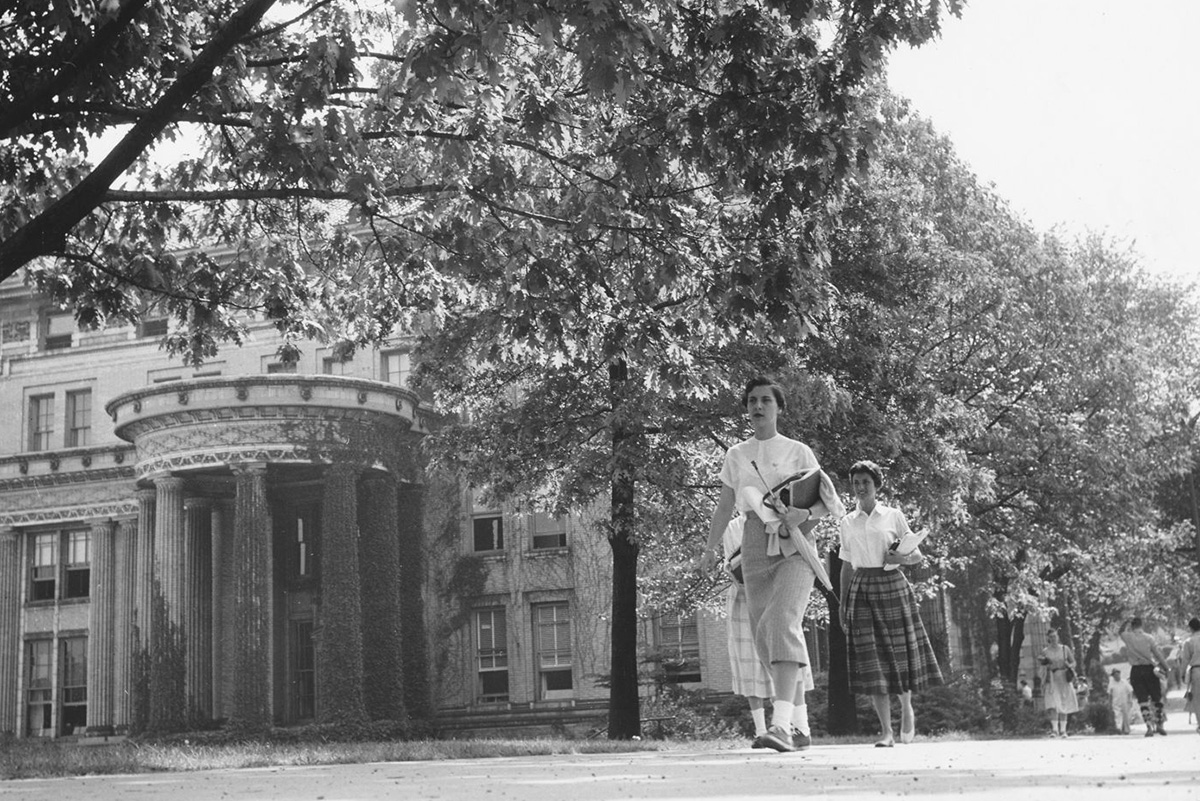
49 229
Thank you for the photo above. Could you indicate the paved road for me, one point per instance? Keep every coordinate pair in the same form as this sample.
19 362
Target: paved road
1130 767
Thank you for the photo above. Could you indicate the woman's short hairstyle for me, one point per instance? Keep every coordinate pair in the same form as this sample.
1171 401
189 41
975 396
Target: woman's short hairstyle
870 468
763 381
1194 624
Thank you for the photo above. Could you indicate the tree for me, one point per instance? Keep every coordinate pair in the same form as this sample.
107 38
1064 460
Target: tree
563 195
1024 391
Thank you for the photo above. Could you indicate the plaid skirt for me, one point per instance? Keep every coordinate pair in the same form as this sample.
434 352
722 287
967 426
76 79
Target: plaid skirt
890 652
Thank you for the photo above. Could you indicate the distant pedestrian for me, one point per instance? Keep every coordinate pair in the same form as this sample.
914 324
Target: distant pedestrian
1143 656
1189 661
1058 682
1120 691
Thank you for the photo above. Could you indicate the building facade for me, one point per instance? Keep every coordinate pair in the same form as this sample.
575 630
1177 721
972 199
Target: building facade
257 543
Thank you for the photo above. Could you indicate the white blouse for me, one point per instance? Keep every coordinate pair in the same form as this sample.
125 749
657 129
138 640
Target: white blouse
777 458
865 538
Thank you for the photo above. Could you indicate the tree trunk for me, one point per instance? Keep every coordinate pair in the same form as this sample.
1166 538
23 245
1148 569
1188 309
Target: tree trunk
1010 636
623 702
843 714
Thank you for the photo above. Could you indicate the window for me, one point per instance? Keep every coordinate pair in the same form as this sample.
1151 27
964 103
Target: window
548 532
679 645
74 685
41 422
304 675
488 531
79 564
79 418
60 331
45 567
395 368
552 639
154 328
280 367
72 550
331 365
40 692
492 638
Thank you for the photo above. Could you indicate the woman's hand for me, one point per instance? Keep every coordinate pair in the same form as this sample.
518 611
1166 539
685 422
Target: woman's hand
890 557
708 558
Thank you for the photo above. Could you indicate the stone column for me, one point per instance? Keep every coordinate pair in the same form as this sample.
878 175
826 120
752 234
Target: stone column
339 635
252 657
143 605
198 609
168 700
10 609
222 606
379 541
123 624
410 514
101 628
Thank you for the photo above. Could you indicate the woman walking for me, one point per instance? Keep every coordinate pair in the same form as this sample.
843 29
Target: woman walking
778 579
890 653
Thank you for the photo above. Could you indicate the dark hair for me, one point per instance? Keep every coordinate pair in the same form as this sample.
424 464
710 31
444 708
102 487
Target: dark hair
1134 622
763 381
1194 624
870 468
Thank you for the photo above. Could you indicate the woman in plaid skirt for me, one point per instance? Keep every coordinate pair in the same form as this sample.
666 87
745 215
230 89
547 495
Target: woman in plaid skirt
890 653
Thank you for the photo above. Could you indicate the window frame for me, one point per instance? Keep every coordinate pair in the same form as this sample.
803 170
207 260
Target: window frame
491 654
497 533
547 533
73 417
678 643
39 687
73 689
552 664
77 575
41 412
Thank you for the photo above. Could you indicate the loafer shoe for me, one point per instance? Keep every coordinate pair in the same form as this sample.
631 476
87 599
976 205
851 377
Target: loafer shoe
778 738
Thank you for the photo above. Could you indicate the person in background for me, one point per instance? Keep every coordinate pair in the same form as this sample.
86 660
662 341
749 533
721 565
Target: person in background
750 678
1121 693
1189 662
1058 690
778 578
1026 692
1143 656
890 653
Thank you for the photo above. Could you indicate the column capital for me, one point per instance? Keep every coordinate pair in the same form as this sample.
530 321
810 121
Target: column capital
100 524
7 533
144 494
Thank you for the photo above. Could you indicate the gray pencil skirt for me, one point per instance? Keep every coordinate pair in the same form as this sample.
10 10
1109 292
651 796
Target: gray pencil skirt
777 590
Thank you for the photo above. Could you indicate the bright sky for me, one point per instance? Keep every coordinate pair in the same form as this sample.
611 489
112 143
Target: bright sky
1083 113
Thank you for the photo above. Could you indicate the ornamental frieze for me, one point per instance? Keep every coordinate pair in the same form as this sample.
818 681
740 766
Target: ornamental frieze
45 494
69 514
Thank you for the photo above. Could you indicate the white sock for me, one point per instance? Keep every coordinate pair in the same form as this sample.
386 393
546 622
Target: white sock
760 720
781 714
800 719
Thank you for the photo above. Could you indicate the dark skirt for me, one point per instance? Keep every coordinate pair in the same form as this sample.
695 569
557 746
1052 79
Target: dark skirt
890 652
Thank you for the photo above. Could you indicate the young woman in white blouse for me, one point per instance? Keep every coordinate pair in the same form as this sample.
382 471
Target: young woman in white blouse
778 580
890 653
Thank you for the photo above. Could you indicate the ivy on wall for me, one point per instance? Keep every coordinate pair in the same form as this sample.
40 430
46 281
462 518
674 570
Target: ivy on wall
383 672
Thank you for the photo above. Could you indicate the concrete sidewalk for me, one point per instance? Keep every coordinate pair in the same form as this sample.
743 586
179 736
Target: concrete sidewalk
1078 768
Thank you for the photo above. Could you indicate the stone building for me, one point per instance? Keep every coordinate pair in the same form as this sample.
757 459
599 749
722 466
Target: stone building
254 543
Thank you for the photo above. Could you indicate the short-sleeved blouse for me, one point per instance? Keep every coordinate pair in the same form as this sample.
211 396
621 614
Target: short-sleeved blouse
777 458
865 538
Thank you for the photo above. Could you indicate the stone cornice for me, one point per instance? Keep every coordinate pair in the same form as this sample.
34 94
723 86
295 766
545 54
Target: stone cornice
211 399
